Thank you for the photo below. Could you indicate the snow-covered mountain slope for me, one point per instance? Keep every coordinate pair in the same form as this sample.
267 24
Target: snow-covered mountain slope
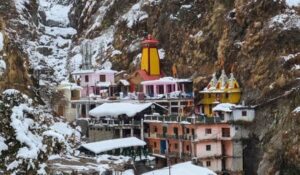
258 40
30 134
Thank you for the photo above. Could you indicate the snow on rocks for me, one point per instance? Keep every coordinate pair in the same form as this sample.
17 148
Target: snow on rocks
32 141
285 21
296 110
161 53
30 128
290 56
135 14
1 41
55 12
3 146
20 4
101 47
293 3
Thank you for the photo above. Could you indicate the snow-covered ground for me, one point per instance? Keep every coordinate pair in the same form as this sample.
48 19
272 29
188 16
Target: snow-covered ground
182 168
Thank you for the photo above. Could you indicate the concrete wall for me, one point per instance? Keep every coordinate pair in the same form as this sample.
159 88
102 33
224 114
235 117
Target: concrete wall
237 115
216 131
216 149
98 133
215 164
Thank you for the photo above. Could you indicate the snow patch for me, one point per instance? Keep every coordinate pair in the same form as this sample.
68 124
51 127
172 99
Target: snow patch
161 53
182 168
135 14
296 110
286 21
3 146
292 3
20 4
1 41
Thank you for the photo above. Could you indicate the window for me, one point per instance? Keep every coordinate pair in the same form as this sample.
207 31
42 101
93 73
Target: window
73 105
175 145
209 95
187 130
155 129
221 114
208 163
188 147
208 147
86 78
218 96
155 145
169 88
102 78
210 109
175 129
244 113
208 131
225 132
226 95
160 89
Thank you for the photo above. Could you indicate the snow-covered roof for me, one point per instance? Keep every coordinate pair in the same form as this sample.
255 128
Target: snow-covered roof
104 84
124 82
166 80
116 109
89 71
225 107
182 168
68 85
106 145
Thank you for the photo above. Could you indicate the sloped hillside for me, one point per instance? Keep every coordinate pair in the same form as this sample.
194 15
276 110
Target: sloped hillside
258 40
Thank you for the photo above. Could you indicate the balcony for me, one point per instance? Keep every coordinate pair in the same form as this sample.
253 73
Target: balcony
183 120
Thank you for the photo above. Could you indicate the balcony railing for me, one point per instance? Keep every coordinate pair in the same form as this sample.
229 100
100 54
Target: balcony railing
183 120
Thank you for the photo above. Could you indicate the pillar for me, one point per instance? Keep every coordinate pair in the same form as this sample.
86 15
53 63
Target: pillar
77 111
87 109
131 129
180 149
193 149
154 90
142 129
121 128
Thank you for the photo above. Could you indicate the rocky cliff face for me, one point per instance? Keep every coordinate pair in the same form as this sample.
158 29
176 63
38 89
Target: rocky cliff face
257 40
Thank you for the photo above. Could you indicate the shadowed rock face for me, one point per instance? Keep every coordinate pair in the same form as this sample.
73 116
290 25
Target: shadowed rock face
258 40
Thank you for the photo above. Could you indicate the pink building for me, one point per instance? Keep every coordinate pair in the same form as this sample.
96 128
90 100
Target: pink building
168 87
95 82
218 146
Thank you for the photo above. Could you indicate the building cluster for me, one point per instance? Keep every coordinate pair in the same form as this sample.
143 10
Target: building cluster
162 111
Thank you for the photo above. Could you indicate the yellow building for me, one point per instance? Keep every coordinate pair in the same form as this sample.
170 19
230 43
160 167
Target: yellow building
222 90
150 62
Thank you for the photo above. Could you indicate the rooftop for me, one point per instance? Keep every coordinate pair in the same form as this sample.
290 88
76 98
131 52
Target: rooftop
182 168
107 145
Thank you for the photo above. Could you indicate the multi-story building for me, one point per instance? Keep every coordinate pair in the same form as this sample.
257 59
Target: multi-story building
222 90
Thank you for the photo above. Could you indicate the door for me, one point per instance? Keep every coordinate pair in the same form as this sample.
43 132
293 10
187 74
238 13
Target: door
163 146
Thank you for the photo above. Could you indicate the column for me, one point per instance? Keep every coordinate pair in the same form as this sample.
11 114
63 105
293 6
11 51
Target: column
142 129
87 109
154 90
77 111
121 132
180 149
193 149
131 129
